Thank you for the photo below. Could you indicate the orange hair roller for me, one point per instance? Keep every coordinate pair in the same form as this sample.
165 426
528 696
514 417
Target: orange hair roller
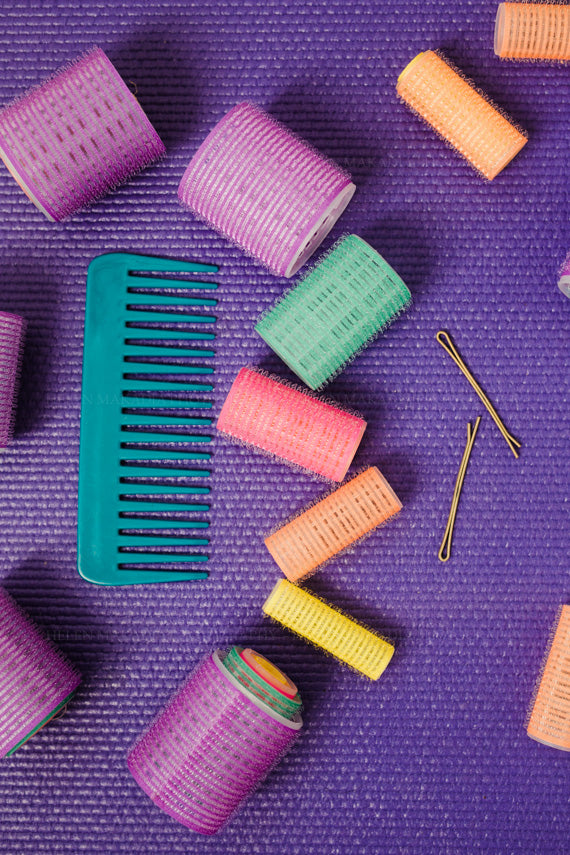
333 524
549 720
438 93
533 31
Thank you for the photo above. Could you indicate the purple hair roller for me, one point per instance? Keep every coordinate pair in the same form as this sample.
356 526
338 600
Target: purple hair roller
12 330
36 680
265 189
210 748
76 137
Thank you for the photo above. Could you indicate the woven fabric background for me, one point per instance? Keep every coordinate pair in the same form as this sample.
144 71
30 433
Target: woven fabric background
433 758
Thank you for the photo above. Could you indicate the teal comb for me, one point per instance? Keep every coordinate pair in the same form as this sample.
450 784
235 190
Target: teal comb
336 309
141 485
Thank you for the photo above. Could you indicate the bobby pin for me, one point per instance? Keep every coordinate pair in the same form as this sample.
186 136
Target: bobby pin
445 548
446 342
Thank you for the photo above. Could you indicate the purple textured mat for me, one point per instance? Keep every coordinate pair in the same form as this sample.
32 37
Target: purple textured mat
434 757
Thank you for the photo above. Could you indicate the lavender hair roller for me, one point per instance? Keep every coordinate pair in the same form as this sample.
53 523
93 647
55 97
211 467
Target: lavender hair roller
217 739
12 330
265 189
76 137
564 278
36 680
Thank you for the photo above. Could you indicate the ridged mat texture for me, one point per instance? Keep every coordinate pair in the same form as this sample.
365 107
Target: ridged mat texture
434 758
533 31
336 309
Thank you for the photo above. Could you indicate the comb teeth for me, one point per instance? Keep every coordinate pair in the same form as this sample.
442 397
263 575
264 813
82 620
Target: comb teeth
533 31
209 748
334 311
329 629
265 189
268 414
12 332
333 524
77 136
141 493
36 680
437 92
550 715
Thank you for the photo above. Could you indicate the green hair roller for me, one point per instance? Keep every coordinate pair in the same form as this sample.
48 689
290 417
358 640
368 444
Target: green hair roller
335 310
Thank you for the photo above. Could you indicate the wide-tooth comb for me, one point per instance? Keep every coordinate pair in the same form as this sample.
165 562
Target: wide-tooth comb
328 628
275 417
437 92
533 31
335 311
333 524
210 748
265 189
36 679
549 720
12 331
142 445
75 137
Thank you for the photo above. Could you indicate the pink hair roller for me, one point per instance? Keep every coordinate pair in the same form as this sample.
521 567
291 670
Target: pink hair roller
265 189
12 330
268 414
36 680
210 748
76 137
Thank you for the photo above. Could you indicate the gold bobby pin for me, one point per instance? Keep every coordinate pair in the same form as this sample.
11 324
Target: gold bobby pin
445 548
446 342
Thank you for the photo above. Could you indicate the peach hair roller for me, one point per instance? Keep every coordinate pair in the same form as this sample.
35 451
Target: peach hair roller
437 92
549 720
533 31
333 524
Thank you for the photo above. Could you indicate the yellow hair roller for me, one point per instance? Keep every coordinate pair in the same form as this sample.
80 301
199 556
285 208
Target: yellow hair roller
328 628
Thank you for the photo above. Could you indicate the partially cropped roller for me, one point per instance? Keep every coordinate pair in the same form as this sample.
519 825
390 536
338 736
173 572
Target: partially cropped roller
533 31
36 680
76 137
265 189
328 628
282 420
564 277
12 333
437 92
217 739
335 311
549 720
336 522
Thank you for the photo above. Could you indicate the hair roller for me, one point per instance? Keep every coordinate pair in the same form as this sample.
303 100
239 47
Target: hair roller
265 189
263 412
